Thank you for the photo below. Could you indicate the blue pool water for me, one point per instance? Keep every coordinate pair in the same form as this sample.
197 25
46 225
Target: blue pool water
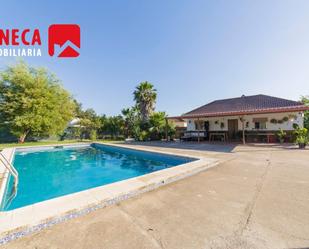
54 172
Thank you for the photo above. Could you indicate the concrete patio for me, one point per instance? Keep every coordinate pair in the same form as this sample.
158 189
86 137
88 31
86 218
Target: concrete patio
256 198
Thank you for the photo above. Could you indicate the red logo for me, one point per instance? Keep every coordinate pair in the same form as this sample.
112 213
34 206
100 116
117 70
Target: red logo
64 40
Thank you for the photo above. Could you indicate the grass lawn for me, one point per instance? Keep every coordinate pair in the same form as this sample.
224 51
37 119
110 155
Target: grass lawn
7 145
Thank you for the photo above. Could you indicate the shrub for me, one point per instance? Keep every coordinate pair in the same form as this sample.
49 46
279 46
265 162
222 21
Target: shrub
143 136
301 135
281 134
93 135
302 140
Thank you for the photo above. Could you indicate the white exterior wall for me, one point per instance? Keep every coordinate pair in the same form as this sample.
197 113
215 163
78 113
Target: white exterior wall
181 124
190 125
249 118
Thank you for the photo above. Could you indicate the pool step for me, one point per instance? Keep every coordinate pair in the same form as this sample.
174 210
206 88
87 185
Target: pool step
14 173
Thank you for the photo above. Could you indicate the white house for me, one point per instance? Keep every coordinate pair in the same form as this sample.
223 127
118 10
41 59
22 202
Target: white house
254 118
75 122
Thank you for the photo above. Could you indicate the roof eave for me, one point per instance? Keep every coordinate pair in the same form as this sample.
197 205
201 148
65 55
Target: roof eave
247 112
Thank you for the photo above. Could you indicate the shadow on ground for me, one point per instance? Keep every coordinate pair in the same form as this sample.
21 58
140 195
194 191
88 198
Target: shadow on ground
201 146
219 146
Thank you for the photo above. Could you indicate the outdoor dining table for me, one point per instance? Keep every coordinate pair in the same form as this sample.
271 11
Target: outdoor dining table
213 134
268 135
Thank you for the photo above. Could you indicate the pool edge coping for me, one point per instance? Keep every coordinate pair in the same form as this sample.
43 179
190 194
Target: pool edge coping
22 221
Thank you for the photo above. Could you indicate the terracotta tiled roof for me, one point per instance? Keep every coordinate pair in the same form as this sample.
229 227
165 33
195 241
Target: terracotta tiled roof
246 105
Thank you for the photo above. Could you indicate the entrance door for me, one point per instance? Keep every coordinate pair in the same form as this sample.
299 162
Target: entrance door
232 128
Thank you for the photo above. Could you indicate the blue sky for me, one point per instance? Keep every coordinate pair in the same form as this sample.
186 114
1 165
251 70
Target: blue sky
192 51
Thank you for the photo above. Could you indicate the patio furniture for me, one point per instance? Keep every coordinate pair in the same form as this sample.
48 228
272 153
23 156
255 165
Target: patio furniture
193 135
212 135
268 135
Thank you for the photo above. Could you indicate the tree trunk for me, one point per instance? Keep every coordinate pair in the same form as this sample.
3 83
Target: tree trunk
22 137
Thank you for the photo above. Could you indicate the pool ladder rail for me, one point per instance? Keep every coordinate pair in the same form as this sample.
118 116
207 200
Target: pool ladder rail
14 173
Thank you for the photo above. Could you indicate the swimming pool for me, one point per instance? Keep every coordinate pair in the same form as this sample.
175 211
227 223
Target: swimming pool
47 173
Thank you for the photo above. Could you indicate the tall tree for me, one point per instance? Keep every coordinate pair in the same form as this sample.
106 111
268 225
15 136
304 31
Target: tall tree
145 96
131 119
90 123
305 100
159 126
114 126
32 101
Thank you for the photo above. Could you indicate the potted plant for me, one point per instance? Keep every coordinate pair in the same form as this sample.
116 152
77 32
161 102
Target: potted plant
281 134
301 135
302 142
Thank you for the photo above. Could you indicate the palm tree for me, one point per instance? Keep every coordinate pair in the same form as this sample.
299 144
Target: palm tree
145 96
130 116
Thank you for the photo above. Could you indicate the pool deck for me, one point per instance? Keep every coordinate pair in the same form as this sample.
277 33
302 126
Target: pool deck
257 197
23 221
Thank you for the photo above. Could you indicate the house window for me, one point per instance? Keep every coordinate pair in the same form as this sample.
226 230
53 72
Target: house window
260 123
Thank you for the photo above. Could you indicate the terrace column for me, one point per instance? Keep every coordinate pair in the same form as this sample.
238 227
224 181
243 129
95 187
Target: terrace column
243 130
198 131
